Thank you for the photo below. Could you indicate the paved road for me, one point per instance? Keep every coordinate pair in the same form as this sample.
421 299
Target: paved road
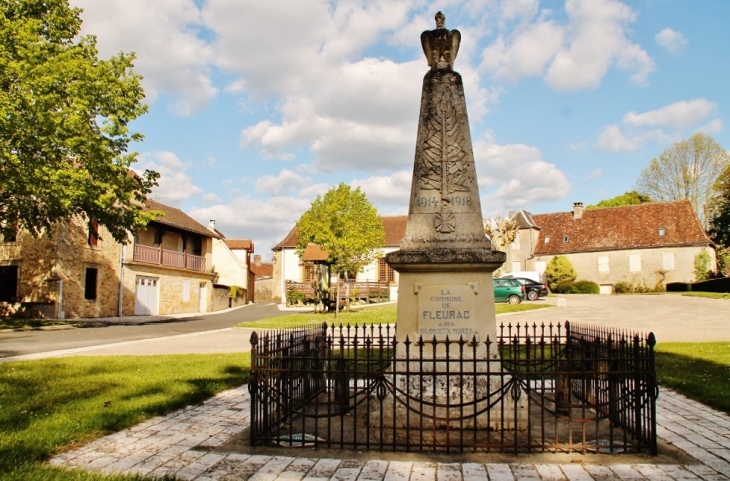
32 342
672 318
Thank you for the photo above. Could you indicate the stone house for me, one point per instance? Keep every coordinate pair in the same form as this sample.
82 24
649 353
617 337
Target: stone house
646 244
80 271
289 267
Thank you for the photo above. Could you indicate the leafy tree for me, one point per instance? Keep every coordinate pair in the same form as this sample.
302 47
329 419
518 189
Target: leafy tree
347 227
720 221
64 116
627 198
687 170
559 270
501 231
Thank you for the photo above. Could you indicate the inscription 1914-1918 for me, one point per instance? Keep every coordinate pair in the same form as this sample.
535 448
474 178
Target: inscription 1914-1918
433 201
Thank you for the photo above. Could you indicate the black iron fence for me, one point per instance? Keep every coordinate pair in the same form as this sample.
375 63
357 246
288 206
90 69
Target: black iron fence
536 388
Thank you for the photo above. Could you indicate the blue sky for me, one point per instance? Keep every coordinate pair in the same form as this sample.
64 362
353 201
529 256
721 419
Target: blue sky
256 107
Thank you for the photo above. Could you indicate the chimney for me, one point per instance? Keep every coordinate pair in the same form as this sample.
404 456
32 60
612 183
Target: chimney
211 224
577 210
257 260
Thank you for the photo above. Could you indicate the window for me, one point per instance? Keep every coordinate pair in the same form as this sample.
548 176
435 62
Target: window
308 274
635 262
186 291
93 233
662 232
603 264
668 261
385 272
158 237
90 283
565 239
547 240
8 283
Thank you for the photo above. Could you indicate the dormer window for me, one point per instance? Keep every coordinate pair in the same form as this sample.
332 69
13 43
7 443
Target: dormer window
565 239
547 240
662 232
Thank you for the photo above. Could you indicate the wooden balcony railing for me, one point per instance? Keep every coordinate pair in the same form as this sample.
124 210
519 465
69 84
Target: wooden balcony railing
164 257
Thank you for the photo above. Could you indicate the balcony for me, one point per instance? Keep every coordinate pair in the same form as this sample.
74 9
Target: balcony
164 257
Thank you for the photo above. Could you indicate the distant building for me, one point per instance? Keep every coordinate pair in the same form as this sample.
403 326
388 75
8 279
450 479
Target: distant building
82 272
289 267
653 243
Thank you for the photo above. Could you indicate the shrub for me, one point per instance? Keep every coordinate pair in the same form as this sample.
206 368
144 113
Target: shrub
294 297
558 270
702 260
577 287
623 287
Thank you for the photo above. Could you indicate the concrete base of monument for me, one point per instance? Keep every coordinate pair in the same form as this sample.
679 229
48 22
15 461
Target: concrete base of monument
437 394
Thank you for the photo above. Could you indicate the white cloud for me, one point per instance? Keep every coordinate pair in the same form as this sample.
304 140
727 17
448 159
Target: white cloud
266 221
175 185
571 56
171 56
615 139
714 126
211 198
671 40
679 115
387 190
663 125
285 183
594 174
514 176
597 40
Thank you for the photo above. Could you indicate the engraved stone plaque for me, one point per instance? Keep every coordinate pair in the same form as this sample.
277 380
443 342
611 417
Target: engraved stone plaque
447 311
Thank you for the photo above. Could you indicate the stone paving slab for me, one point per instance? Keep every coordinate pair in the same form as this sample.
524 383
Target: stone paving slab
179 444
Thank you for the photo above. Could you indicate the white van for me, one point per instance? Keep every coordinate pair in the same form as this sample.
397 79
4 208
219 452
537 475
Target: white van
533 275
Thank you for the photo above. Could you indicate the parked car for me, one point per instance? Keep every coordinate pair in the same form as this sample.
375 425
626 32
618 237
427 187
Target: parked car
508 290
533 290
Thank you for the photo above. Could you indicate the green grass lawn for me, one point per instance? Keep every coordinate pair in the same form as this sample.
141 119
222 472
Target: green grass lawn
382 314
48 405
700 371
711 295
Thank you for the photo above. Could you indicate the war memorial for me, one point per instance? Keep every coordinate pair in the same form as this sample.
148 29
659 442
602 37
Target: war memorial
446 377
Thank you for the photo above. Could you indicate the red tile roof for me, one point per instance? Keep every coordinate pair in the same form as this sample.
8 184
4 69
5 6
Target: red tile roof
264 269
394 227
615 228
174 217
238 244
315 253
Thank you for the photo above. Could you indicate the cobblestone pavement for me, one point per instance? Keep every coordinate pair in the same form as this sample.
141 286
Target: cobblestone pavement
182 444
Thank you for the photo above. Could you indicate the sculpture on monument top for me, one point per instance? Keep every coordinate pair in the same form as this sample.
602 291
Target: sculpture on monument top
440 45
444 210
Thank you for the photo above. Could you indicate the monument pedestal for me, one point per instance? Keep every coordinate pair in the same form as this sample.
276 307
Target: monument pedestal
446 370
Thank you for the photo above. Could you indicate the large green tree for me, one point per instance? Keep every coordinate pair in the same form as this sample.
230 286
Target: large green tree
64 124
720 221
346 226
627 198
687 170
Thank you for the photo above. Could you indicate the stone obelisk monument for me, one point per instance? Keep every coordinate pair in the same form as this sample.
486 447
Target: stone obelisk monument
445 262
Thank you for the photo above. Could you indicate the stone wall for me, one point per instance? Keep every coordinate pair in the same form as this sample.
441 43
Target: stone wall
221 298
49 262
264 290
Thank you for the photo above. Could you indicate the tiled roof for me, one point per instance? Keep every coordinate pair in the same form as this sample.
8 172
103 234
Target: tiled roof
315 253
394 227
523 219
174 217
238 244
264 269
615 228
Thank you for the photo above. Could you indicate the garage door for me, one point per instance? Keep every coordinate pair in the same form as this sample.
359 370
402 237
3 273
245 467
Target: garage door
146 296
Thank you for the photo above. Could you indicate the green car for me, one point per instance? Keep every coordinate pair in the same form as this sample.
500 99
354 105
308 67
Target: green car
508 290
